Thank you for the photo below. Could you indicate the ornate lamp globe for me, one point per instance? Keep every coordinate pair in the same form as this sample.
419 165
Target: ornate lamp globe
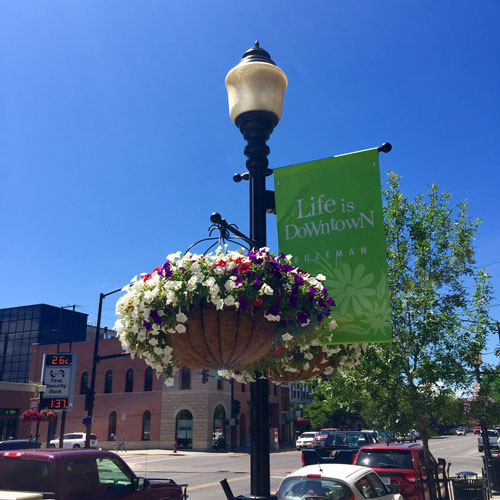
256 84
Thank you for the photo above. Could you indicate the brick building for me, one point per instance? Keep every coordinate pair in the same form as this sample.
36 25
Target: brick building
135 406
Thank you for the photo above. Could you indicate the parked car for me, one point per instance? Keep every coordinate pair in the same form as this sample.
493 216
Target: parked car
80 475
461 431
320 439
492 438
305 440
477 429
412 437
402 465
335 481
19 444
75 440
340 447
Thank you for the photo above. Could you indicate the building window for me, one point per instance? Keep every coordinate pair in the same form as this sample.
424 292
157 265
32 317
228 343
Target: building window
146 426
148 380
220 384
185 378
112 426
84 383
184 429
129 380
275 389
108 382
243 387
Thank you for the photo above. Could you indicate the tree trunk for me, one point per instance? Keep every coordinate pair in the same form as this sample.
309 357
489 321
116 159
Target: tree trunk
429 465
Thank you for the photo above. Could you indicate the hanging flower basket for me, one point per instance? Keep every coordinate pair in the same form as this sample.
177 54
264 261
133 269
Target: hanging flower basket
222 339
31 416
294 361
225 310
47 416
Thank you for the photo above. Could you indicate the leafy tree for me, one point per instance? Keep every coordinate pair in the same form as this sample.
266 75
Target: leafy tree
440 314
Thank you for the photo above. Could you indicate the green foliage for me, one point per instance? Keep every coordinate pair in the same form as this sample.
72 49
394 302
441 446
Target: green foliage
440 318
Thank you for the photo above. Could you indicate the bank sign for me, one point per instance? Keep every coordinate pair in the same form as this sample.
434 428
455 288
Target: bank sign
58 377
329 215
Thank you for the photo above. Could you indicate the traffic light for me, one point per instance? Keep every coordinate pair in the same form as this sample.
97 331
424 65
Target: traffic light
204 376
235 408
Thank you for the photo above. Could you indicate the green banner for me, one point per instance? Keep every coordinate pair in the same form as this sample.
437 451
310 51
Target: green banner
330 219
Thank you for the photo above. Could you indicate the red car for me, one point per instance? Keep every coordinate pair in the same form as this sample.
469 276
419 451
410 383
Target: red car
80 475
477 430
402 465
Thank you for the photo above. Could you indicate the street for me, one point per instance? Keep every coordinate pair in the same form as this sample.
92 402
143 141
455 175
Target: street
203 471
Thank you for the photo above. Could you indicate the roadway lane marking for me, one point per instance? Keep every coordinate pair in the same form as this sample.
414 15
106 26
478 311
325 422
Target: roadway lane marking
206 485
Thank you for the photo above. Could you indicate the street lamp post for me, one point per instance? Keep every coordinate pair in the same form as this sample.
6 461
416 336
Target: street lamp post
90 396
256 88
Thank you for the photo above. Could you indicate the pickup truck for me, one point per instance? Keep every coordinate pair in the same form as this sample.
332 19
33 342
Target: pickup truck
340 448
61 474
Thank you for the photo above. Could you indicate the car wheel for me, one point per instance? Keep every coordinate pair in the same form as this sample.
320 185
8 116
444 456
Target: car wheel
52 445
76 446
479 449
298 449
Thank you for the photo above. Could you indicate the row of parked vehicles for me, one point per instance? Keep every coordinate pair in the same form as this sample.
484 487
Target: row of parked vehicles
400 467
317 439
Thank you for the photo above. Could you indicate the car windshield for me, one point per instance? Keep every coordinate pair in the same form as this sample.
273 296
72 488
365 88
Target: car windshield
353 439
297 488
308 435
385 459
24 475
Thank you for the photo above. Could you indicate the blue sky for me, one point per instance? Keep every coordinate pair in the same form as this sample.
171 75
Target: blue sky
116 144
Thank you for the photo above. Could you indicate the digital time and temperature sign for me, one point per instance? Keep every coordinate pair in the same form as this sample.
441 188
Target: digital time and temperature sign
58 376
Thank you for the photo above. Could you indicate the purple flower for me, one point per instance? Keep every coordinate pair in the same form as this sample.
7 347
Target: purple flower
303 316
167 272
274 310
320 317
183 271
146 325
243 303
257 282
155 316
330 301
299 280
238 280
311 292
293 300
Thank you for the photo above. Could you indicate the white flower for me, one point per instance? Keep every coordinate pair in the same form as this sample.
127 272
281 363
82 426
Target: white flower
219 303
230 301
328 370
321 277
153 341
271 317
180 328
181 317
287 337
230 283
266 290
308 356
332 325
169 382
173 256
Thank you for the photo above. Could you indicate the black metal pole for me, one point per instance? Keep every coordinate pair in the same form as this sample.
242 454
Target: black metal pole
256 127
90 396
233 418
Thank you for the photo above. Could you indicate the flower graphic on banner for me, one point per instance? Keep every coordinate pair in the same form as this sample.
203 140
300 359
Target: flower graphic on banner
351 288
